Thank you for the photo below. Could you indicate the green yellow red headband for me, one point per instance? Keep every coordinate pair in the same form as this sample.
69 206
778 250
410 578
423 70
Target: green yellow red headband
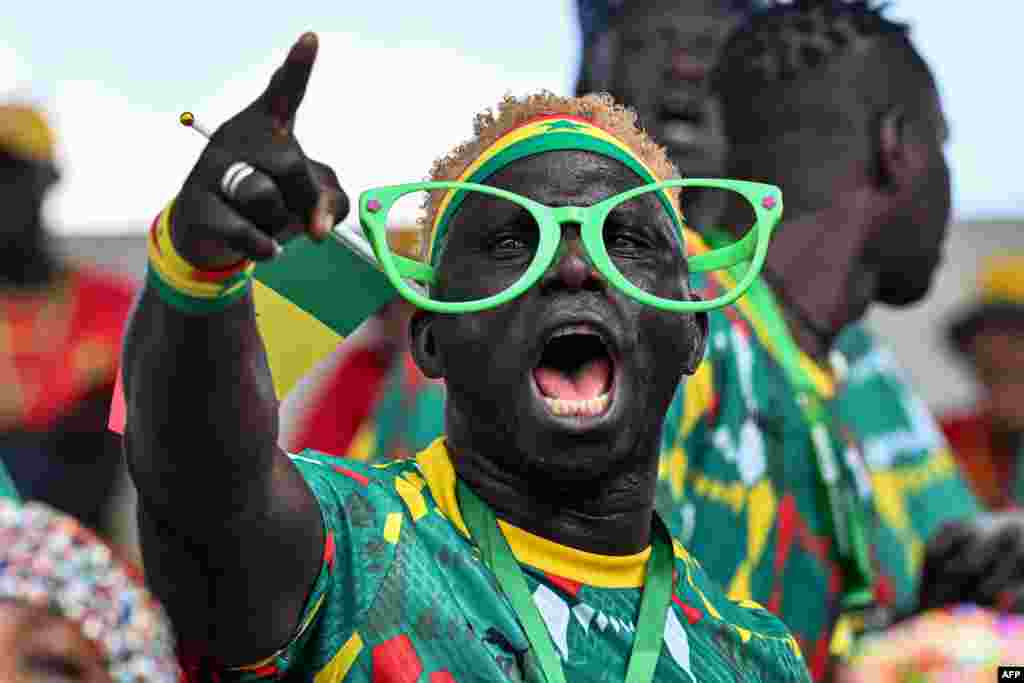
542 134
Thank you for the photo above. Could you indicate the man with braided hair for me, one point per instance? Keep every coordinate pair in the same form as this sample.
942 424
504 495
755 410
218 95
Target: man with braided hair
652 54
558 379
834 475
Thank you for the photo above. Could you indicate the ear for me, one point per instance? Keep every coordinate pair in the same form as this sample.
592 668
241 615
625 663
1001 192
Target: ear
700 346
424 345
898 158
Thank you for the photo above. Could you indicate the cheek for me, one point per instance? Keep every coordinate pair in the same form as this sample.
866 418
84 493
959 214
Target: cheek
667 340
635 86
658 275
484 342
469 279
666 337
1007 404
936 198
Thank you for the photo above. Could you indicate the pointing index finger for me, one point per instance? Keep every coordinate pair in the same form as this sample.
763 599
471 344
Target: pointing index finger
288 86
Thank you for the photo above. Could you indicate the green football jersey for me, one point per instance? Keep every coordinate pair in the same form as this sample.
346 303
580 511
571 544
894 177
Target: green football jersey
916 485
739 462
404 596
738 483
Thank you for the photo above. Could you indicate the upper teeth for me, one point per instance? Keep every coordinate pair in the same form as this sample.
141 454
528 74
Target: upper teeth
574 329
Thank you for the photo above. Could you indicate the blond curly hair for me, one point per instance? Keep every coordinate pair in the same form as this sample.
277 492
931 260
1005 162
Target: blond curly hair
491 124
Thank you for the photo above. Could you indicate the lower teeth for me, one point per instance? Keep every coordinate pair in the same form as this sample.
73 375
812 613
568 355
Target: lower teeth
587 407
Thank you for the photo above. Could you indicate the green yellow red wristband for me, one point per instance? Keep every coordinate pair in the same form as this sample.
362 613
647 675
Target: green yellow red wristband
182 285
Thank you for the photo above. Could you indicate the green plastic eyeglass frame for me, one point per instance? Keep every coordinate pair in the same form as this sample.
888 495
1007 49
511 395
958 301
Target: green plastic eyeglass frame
766 201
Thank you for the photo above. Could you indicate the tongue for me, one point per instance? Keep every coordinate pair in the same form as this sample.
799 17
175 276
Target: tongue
590 381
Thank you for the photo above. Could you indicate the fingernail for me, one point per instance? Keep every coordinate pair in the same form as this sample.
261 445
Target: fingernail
323 216
326 223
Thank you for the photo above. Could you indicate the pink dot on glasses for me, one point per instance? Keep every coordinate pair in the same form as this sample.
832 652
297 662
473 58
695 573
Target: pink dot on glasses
768 202
373 206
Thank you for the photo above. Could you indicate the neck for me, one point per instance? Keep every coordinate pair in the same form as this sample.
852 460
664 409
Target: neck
815 267
609 515
27 261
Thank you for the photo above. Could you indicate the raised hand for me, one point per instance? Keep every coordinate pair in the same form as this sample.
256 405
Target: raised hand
213 226
199 384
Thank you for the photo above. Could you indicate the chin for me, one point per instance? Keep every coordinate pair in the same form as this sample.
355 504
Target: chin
905 293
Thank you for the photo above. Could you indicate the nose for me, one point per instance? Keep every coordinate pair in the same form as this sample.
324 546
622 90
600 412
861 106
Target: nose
572 269
685 65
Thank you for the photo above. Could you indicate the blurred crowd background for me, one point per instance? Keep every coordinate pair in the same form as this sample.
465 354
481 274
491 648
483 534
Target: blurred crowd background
122 153
117 118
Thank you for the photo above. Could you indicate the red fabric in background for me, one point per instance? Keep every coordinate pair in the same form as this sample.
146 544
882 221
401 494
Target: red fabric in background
989 473
343 402
49 378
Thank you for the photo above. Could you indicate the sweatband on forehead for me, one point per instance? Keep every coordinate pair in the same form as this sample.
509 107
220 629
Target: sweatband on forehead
559 132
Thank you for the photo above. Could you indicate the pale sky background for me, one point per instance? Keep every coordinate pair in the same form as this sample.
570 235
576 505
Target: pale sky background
396 84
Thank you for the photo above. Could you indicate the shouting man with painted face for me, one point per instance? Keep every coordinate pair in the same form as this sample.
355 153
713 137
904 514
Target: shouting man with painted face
655 56
556 307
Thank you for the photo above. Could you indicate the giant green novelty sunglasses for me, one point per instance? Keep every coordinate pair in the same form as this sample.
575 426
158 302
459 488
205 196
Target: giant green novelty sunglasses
541 226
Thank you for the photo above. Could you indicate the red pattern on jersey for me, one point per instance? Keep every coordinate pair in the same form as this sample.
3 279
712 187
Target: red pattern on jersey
568 585
783 545
885 592
692 614
352 475
988 471
819 661
395 661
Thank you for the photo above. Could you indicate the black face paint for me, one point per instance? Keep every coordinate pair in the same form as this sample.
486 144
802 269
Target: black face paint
491 359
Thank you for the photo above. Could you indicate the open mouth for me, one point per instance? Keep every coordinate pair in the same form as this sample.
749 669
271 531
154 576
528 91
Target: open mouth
576 372
682 123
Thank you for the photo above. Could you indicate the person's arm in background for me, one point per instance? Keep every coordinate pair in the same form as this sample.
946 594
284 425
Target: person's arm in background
217 496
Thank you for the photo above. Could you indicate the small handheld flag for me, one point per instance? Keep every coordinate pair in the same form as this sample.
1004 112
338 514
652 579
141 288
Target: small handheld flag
307 301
